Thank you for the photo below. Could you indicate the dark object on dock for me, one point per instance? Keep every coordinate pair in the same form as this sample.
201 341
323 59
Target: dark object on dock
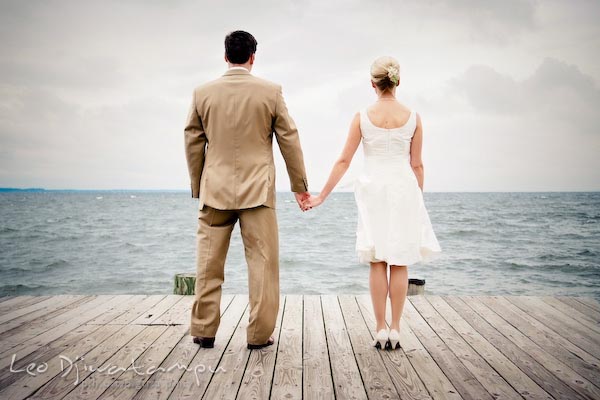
416 286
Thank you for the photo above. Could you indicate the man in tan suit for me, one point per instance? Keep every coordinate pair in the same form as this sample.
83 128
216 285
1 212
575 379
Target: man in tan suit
229 151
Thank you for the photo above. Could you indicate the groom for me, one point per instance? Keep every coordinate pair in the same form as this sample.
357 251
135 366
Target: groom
228 146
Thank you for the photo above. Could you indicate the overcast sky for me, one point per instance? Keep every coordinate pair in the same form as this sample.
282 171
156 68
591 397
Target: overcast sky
94 95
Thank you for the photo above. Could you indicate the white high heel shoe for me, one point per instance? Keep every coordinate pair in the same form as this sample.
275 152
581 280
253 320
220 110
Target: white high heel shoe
381 339
394 339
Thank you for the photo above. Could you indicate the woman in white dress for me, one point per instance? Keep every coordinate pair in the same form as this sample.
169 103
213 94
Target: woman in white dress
393 225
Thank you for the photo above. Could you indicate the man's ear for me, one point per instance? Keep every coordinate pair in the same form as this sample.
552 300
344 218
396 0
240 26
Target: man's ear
251 60
225 57
372 84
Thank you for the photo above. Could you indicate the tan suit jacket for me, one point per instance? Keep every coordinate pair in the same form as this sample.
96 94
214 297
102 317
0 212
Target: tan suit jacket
229 142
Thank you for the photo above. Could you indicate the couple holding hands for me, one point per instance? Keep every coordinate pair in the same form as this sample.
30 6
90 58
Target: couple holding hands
229 151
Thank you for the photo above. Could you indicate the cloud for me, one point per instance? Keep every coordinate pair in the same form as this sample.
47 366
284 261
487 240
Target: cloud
94 94
45 138
484 21
489 130
556 91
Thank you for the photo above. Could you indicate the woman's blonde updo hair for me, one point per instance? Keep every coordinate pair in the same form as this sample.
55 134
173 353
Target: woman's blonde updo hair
385 73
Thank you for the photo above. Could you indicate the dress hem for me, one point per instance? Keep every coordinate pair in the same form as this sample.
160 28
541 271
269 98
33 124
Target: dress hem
427 255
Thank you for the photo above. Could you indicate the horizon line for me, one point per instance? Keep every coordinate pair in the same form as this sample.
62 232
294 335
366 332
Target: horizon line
41 189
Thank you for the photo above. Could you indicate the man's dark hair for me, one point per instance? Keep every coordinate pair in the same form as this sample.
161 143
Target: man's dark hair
239 46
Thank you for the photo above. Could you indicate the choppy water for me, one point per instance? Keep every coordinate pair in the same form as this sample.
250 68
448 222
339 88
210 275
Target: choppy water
134 242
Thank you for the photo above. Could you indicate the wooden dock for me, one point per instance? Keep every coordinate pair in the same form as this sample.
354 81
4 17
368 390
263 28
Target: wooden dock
453 347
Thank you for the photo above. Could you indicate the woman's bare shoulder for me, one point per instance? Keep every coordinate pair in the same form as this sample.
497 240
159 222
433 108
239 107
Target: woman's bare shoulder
404 107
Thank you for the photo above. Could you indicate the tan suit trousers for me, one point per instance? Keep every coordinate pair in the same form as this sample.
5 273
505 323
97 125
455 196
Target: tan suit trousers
259 231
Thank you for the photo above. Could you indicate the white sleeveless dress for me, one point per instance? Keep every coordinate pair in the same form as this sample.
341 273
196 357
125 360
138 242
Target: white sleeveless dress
393 224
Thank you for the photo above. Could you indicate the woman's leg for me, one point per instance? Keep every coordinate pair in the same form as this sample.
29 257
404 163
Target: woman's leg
378 284
398 290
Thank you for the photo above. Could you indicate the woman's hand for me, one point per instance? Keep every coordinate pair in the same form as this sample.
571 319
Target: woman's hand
312 201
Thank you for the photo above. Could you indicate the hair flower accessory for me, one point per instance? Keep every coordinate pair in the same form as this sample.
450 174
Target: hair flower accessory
393 74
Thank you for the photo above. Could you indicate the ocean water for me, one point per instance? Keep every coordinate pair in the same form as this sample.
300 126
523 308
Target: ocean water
105 242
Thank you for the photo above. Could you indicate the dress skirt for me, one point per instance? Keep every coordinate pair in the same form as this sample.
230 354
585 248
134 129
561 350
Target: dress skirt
393 223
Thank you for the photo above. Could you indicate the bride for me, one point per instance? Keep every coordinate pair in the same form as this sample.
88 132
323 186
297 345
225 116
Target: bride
393 224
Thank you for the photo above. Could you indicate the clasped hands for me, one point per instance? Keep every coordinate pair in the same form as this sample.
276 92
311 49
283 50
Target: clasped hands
306 201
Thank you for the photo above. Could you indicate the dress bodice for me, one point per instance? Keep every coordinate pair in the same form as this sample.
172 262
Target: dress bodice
387 144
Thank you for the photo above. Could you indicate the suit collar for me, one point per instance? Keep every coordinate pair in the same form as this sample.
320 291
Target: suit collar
236 71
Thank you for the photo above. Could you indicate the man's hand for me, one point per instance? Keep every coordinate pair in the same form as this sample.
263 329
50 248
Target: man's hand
301 198
312 202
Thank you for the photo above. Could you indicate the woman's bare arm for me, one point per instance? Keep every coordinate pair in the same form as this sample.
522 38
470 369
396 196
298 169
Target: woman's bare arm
415 153
341 165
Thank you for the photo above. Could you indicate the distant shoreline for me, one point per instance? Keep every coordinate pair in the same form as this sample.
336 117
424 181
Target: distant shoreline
90 190
44 190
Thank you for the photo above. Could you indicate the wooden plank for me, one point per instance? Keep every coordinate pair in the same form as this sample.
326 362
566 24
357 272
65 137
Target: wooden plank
163 382
23 333
575 314
522 383
525 347
41 333
125 303
12 302
317 380
88 311
582 308
398 364
131 381
577 359
48 305
138 309
181 312
559 323
14 326
376 380
43 354
96 383
157 310
589 301
66 380
287 380
71 346
16 302
225 384
489 379
258 376
205 362
346 376
491 331
32 350
548 360
436 381
461 377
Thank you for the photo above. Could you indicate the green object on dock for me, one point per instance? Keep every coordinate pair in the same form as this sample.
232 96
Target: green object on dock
185 283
